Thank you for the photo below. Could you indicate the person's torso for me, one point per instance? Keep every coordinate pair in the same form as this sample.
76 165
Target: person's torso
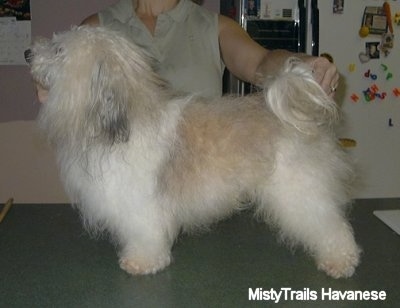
184 45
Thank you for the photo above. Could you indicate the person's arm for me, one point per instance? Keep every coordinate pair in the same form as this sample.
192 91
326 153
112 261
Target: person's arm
251 62
240 53
41 93
92 20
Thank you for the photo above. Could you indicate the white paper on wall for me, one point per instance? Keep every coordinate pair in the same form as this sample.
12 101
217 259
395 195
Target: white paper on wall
15 31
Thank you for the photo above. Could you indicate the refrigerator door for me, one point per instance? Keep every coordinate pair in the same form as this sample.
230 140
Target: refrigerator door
314 23
274 24
369 90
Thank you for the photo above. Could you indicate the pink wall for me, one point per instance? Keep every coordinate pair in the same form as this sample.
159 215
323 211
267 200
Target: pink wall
17 97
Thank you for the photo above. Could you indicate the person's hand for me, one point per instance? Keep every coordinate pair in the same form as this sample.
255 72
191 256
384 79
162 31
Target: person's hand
41 93
325 73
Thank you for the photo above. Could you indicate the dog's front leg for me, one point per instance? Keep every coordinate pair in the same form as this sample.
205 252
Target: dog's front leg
140 260
145 235
145 248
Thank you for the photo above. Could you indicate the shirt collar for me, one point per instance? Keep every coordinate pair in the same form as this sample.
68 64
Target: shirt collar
178 13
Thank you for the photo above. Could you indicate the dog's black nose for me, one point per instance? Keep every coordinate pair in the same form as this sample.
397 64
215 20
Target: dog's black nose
28 56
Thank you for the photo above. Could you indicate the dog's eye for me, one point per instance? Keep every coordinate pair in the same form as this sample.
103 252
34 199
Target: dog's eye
59 51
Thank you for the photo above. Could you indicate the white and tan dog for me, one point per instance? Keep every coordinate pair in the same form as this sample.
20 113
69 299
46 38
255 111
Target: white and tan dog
145 163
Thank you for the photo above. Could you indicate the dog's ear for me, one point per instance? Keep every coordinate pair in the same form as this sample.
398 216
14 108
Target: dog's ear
109 102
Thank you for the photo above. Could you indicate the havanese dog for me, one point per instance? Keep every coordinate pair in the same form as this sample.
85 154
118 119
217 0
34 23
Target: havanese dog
145 163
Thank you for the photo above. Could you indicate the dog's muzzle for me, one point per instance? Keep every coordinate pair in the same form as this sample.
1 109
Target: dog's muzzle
28 54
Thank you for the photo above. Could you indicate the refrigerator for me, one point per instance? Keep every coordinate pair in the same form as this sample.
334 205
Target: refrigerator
362 38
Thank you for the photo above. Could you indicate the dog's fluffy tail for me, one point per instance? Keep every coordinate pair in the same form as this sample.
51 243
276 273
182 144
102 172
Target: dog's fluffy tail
298 100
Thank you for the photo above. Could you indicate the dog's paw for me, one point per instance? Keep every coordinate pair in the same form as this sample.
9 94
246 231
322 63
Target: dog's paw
342 266
143 266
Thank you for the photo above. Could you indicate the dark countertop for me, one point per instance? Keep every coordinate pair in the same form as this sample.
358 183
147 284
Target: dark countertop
48 260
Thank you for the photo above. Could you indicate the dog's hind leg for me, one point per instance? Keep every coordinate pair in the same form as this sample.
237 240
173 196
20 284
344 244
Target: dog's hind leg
305 203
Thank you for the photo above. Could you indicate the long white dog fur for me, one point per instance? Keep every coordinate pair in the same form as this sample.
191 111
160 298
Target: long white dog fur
145 163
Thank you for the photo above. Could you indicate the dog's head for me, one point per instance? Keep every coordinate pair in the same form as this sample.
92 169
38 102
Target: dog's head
96 80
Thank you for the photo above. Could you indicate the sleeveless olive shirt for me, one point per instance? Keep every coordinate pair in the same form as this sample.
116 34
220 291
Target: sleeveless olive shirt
184 45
